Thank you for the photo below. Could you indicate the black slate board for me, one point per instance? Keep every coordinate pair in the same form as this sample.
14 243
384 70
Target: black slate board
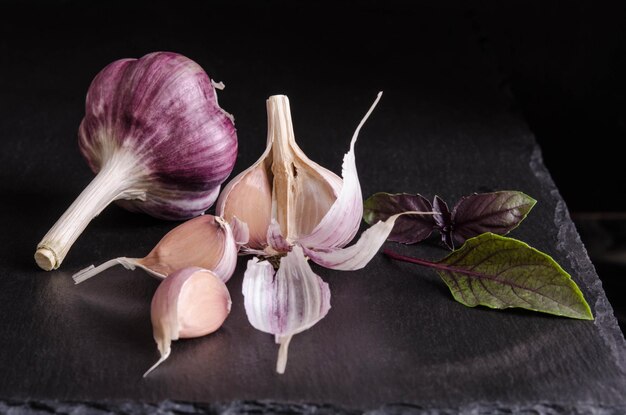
394 340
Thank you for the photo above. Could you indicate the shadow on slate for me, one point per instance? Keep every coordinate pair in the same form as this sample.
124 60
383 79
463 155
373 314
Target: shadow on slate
394 340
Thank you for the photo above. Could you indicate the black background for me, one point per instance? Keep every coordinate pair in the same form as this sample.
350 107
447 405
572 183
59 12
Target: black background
563 64
466 85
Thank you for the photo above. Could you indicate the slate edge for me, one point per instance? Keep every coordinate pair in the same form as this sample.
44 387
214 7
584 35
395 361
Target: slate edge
271 407
570 245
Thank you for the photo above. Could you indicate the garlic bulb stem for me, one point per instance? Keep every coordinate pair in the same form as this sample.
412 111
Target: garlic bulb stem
282 135
111 183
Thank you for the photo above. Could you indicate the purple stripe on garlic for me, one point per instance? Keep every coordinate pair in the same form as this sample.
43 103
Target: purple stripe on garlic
157 140
284 302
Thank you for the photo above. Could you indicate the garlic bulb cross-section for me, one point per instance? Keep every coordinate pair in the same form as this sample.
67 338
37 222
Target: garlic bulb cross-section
283 185
296 210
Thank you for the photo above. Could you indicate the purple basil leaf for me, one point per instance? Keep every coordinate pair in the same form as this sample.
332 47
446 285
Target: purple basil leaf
409 229
497 212
443 221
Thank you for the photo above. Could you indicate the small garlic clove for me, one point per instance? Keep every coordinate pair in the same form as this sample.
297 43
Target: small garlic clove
205 241
285 302
192 302
249 198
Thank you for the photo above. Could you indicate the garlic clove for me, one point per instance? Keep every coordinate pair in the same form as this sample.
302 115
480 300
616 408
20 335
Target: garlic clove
285 302
206 241
157 140
192 302
249 198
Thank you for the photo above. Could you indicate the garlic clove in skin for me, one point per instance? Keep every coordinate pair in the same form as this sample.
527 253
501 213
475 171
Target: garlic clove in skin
249 197
294 292
314 215
205 241
192 302
158 141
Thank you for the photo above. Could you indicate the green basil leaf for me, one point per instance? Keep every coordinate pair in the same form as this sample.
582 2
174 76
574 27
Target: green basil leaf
500 272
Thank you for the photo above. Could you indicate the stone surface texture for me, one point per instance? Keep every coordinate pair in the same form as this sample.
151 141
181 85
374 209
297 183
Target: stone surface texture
394 340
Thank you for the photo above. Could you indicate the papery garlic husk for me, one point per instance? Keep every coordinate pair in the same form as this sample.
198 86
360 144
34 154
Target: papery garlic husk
191 302
157 140
296 210
205 241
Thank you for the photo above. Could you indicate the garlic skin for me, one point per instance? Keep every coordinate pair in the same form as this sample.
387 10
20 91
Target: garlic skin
206 241
302 301
192 302
157 140
307 212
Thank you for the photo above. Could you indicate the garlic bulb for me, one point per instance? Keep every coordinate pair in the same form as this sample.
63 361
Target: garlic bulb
295 209
157 140
205 241
191 302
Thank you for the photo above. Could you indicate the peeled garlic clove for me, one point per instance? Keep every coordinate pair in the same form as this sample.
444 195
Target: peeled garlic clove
192 302
206 241
157 140
285 302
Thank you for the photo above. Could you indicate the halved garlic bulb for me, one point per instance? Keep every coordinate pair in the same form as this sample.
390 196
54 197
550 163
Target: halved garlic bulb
191 302
295 209
205 241
283 185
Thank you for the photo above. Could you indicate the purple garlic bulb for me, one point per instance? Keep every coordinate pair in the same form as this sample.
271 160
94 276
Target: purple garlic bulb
158 141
